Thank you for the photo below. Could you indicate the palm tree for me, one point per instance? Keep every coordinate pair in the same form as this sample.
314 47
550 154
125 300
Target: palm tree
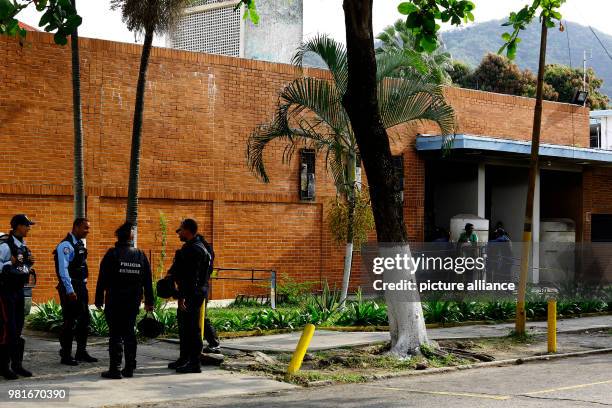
149 17
399 38
79 173
310 112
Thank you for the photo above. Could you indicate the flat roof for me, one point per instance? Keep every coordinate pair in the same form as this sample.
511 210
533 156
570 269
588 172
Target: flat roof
473 142
600 113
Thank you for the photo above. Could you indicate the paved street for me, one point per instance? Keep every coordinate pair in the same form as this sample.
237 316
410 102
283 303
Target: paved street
572 382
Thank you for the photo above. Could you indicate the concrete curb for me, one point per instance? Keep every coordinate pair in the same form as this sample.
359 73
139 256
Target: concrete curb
441 370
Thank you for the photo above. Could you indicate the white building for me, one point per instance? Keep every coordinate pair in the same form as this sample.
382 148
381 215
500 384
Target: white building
212 26
601 129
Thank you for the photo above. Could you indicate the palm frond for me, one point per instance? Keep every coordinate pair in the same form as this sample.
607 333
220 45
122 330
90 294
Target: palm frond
389 63
332 52
405 101
317 97
158 16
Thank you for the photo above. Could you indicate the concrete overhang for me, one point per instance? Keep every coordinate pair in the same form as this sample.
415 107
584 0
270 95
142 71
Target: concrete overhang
514 148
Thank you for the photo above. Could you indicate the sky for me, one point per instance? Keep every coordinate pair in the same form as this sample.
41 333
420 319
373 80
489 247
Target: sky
326 16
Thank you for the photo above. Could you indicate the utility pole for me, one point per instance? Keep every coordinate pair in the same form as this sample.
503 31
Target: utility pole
521 315
584 71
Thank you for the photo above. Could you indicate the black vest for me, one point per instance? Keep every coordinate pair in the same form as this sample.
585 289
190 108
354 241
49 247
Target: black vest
125 279
19 273
77 268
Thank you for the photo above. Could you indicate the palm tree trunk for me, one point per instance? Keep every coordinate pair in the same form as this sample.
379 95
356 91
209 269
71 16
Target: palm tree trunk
79 172
407 325
533 170
348 254
131 214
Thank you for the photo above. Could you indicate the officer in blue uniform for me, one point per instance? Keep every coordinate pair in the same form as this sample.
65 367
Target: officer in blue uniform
71 269
16 261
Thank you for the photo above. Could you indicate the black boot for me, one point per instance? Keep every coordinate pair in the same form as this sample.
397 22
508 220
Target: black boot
115 354
66 358
5 371
83 355
176 364
17 359
189 367
130 360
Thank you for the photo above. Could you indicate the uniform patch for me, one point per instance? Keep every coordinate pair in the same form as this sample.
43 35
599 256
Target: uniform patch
66 251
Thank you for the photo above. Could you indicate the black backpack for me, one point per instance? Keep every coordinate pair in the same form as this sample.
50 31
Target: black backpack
209 270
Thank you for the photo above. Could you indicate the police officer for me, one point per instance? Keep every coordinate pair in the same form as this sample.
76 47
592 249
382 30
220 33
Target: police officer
125 273
16 260
190 272
71 269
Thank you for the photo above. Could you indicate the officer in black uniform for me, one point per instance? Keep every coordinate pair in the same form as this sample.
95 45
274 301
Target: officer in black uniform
16 260
72 272
190 272
125 273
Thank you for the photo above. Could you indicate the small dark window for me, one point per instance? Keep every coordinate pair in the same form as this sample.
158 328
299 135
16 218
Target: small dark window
307 174
398 166
596 135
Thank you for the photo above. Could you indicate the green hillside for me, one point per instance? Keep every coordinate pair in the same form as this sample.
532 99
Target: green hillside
472 43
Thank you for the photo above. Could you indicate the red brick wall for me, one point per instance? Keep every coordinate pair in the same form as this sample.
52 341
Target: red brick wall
199 111
596 197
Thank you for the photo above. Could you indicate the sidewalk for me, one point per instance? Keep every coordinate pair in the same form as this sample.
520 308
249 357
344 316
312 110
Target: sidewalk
327 339
153 381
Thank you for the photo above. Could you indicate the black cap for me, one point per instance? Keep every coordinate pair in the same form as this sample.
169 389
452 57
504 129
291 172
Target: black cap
21 219
469 225
189 224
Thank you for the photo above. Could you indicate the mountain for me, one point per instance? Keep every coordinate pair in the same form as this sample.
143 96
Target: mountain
470 44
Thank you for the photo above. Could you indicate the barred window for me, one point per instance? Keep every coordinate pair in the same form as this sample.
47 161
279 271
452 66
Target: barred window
214 31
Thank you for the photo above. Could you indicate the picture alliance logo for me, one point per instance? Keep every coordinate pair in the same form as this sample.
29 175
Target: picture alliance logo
404 262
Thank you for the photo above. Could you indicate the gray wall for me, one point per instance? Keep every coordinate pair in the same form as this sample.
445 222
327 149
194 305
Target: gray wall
455 191
278 33
508 195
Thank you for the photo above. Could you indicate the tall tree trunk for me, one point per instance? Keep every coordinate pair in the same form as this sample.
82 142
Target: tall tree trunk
533 171
79 172
131 214
350 230
407 325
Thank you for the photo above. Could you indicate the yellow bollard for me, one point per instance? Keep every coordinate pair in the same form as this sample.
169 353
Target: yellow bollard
300 350
552 326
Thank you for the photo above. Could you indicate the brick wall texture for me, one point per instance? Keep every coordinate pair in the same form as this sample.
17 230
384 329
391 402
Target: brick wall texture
199 112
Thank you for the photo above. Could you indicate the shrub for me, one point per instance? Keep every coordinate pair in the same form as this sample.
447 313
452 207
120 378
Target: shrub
291 291
47 317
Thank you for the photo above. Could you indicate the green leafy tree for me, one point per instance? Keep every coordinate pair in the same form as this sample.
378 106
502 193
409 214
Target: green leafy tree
310 113
315 112
150 17
399 38
497 73
57 15
461 74
566 81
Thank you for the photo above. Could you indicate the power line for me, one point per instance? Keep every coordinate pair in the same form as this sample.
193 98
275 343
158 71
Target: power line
569 48
600 43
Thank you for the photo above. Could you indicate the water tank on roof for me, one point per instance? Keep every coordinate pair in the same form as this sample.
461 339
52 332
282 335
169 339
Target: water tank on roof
557 252
457 226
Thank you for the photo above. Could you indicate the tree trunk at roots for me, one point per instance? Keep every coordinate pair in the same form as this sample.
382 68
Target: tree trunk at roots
79 173
131 214
348 253
406 321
